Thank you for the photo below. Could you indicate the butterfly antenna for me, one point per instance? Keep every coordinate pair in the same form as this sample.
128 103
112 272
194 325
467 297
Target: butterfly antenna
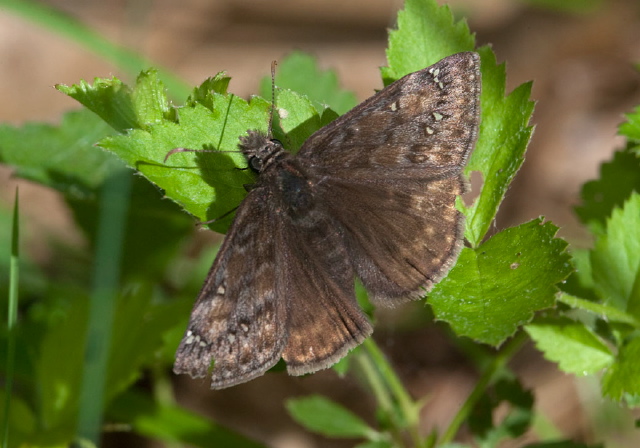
273 97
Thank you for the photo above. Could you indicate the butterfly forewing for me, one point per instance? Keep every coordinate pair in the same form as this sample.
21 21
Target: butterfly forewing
427 120
391 171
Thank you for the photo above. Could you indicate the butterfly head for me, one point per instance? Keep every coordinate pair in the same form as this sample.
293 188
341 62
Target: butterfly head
260 150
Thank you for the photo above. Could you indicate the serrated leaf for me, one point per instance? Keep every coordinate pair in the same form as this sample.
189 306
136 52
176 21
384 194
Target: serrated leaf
498 286
426 33
622 379
571 344
207 185
202 94
110 99
502 142
321 415
61 157
297 117
631 128
149 99
615 259
618 179
299 72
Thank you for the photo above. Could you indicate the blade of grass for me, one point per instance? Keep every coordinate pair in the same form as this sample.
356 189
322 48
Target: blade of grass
114 205
64 25
12 317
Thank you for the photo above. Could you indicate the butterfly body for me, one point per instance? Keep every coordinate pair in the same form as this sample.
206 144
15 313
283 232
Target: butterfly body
370 195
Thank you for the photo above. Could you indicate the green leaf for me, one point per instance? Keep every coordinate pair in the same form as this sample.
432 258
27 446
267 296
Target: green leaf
517 420
622 379
571 344
59 382
119 105
207 185
618 179
61 157
502 142
138 317
580 282
318 414
300 72
203 93
172 424
110 99
615 259
426 33
631 128
605 312
562 444
297 117
21 421
150 101
376 444
498 286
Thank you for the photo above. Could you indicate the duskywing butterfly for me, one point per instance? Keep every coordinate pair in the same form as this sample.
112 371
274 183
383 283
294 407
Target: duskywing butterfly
371 195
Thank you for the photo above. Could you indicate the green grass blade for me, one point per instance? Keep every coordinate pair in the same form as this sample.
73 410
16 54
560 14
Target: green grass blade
111 232
12 317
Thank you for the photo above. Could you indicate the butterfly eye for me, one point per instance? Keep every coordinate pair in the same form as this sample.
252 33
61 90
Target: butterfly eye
276 141
255 164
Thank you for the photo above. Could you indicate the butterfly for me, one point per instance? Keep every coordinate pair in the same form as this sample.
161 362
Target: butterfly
371 195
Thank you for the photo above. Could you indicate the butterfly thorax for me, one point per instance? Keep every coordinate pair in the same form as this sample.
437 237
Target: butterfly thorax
261 151
280 173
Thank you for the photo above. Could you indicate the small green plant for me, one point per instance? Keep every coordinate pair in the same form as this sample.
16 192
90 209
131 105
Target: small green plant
125 300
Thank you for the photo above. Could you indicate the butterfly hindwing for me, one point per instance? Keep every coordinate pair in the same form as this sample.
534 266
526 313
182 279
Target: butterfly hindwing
316 278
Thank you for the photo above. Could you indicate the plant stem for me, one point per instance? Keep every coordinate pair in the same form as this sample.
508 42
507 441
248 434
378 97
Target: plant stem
388 388
487 377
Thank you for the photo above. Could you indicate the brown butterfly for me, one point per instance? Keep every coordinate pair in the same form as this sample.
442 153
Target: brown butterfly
370 195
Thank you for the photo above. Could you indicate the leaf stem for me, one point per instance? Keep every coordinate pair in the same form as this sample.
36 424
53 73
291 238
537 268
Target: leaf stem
487 377
388 389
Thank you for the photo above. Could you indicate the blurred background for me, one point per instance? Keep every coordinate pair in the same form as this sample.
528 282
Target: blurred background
580 55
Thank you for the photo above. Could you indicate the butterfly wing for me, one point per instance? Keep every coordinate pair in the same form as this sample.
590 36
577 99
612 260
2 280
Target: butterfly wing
238 321
390 171
324 318
414 128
